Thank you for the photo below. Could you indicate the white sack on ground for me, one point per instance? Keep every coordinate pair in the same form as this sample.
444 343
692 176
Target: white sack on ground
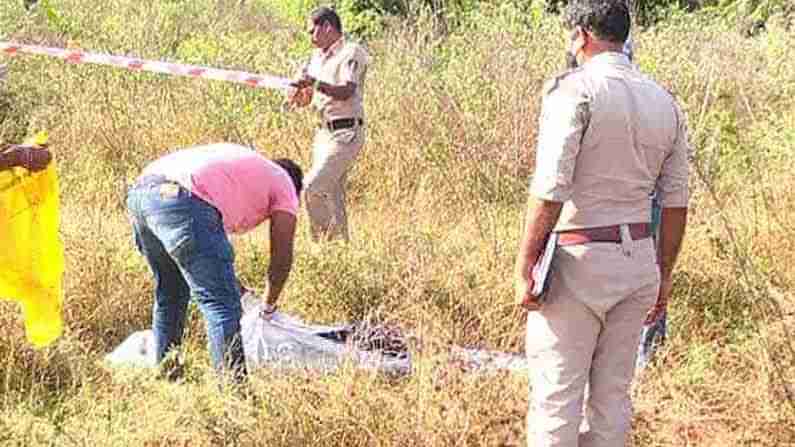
284 341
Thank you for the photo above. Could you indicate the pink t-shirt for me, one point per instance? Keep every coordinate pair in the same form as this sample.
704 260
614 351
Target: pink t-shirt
243 185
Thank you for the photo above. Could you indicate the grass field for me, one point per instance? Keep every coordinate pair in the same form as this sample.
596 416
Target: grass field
436 202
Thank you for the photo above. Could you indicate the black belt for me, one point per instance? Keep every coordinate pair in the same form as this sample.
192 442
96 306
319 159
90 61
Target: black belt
343 123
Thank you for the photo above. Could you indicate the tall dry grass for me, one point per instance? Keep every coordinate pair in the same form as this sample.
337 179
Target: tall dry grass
436 203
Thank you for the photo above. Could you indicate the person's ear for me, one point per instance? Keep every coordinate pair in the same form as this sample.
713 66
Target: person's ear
581 39
587 38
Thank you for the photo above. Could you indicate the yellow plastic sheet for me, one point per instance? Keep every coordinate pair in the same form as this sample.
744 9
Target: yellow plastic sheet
31 251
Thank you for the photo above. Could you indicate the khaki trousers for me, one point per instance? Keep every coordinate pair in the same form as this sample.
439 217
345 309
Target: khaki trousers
333 154
587 333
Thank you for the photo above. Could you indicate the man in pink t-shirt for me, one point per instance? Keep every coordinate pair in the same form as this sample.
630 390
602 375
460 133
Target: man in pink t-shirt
182 207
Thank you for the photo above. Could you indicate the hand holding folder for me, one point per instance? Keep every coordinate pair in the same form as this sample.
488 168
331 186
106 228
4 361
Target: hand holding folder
540 273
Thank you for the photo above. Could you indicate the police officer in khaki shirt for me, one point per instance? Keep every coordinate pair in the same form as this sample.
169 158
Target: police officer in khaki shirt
608 136
333 80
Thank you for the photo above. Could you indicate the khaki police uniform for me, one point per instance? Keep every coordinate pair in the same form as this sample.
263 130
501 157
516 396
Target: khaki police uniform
608 137
338 140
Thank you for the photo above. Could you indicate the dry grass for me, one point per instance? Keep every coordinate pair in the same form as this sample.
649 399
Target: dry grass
437 199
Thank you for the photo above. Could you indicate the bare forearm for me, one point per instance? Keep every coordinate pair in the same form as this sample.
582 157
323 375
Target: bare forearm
541 218
32 158
278 272
672 230
337 92
282 236
9 159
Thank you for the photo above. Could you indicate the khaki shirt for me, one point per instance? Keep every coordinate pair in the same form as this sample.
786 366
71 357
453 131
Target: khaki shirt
343 62
608 137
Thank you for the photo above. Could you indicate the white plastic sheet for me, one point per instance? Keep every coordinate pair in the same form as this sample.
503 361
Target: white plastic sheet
286 342
282 341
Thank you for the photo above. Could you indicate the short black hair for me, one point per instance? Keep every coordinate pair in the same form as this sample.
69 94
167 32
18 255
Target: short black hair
607 19
324 14
294 171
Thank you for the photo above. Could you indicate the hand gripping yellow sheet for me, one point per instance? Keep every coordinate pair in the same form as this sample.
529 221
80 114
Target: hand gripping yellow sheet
31 251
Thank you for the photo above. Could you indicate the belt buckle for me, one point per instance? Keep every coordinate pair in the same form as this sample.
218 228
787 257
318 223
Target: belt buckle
343 123
339 123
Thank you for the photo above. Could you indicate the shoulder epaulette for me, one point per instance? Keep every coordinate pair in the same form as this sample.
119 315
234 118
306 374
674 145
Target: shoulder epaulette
554 82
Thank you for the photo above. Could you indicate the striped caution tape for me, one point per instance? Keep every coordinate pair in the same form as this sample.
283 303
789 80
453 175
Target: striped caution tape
76 56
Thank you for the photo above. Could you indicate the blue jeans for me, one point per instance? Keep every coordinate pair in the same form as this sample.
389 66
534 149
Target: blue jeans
183 239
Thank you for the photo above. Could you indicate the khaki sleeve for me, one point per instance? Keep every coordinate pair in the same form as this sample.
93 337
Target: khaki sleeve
673 183
303 69
306 67
354 66
564 118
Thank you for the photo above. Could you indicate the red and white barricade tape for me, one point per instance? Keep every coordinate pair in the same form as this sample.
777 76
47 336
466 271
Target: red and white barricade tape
77 56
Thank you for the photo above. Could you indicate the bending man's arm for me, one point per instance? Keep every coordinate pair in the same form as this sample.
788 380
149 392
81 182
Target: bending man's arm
282 229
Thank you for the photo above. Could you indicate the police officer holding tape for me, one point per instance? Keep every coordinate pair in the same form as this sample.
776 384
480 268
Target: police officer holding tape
333 80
